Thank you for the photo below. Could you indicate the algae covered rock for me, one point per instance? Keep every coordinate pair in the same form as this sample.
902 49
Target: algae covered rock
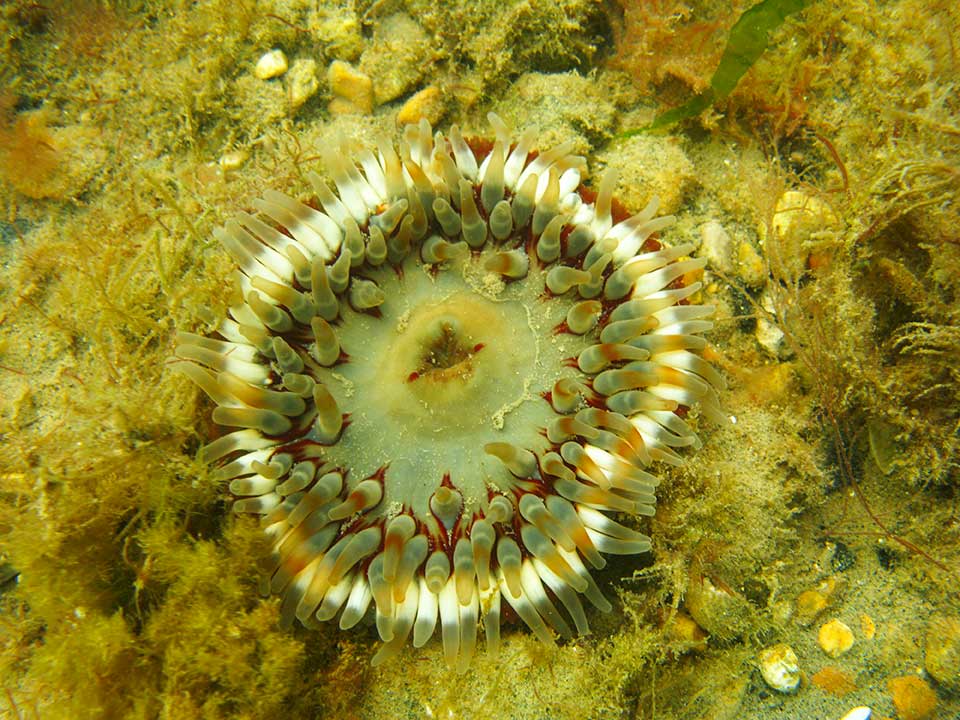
43 161
652 166
563 106
398 57
719 610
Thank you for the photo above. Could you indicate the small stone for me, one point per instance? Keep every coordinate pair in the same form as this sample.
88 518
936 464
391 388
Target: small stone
352 90
885 449
912 697
751 268
302 83
835 638
717 609
768 334
782 610
233 160
840 557
270 65
867 626
685 634
716 246
780 668
861 712
942 652
834 681
799 220
428 103
771 338
810 603
794 208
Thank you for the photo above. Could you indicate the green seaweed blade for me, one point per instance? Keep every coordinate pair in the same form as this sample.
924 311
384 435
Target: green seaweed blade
747 42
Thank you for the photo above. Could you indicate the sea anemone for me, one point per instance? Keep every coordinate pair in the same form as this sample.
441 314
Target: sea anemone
446 374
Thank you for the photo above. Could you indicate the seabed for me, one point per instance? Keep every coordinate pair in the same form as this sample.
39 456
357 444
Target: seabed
822 190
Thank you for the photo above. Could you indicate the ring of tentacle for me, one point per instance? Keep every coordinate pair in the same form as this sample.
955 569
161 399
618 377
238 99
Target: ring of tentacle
445 373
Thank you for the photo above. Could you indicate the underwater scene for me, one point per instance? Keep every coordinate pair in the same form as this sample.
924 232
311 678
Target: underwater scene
508 360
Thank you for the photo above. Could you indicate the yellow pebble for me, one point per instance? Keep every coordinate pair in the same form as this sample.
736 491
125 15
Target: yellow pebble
912 697
867 626
302 83
795 208
799 219
352 89
686 634
834 681
427 103
233 160
751 267
810 603
835 638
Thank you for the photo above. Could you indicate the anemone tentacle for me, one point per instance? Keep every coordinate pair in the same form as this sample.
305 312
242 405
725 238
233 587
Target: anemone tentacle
446 374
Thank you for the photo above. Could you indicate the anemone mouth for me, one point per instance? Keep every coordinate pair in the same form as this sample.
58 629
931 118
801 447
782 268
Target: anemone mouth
445 381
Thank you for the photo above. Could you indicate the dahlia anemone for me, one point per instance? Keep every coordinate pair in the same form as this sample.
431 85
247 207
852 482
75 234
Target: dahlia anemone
445 375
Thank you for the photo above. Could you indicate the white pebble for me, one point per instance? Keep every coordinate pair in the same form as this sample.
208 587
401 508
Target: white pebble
768 334
780 668
858 713
772 339
716 246
270 65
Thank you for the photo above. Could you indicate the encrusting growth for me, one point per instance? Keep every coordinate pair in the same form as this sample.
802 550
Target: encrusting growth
444 379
